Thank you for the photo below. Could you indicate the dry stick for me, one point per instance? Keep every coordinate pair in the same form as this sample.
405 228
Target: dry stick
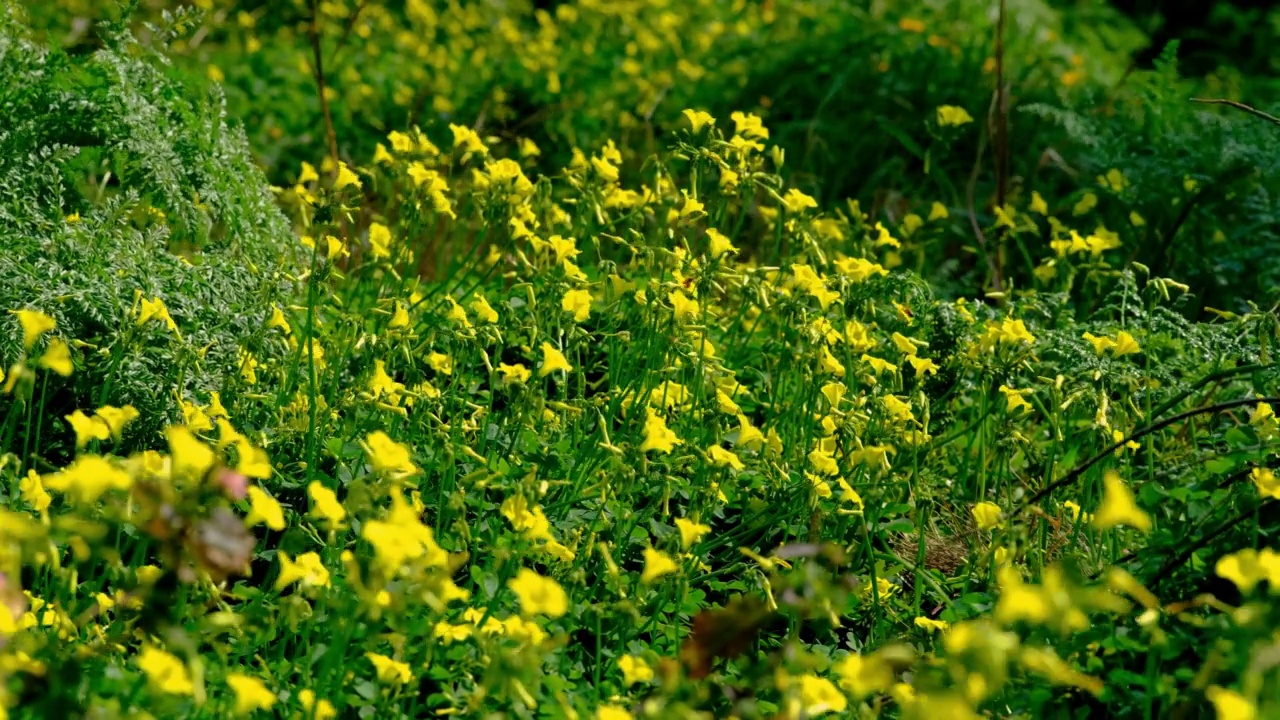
1002 144
320 83
1238 106
1080 469
970 191
1173 564
351 24
1134 554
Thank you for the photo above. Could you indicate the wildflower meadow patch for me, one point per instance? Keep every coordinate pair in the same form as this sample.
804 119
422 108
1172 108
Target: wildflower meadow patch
630 408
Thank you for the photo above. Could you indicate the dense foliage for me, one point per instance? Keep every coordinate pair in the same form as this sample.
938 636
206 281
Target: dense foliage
638 359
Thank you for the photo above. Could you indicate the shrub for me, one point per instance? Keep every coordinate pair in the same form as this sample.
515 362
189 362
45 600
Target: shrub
116 188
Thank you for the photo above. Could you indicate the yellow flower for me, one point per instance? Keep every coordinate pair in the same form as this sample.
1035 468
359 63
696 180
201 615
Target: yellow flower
1086 203
823 462
87 428
191 458
923 366
1100 344
987 515
1266 481
878 365
690 531
1125 344
898 410
1261 414
553 360
456 314
34 324
388 456
33 492
316 710
465 137
440 362
612 712
514 373
379 240
829 364
904 344
346 178
165 672
264 509
796 201
656 564
634 670
251 693
1015 398
156 310
1074 508
749 126
1019 601
748 434
538 594
451 633
951 115
483 310
88 478
724 458
399 317
306 569
938 212
861 675
57 357
308 173
1231 705
1244 568
402 537
1118 506
577 302
849 495
528 148
698 119
1038 205
252 461
116 418
325 505
657 436
390 671
819 696
719 243
932 625
683 306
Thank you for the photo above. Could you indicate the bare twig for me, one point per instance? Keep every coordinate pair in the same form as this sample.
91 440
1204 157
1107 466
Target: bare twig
321 88
351 24
1002 145
970 191
1239 106
1080 469
1002 116
1177 561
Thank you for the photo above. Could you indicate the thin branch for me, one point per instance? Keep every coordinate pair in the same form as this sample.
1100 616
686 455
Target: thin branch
322 89
970 205
1239 106
1002 116
1211 377
1002 144
351 24
1173 564
1080 469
